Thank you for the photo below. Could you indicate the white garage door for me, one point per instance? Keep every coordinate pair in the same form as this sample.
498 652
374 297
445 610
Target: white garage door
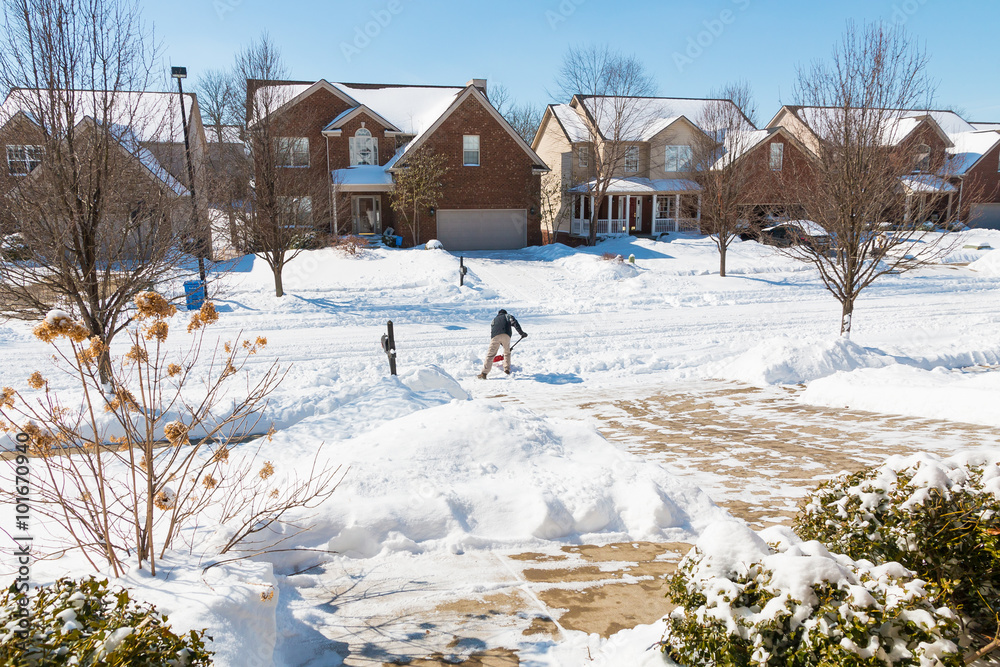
483 229
985 215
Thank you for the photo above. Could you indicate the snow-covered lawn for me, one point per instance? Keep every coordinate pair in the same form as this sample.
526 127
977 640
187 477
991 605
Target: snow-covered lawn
447 472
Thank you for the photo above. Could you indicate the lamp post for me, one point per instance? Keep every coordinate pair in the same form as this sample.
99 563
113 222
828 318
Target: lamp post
180 73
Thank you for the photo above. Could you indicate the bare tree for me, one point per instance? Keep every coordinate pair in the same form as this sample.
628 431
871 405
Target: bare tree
275 222
418 185
728 180
100 217
551 197
524 118
611 87
223 112
869 178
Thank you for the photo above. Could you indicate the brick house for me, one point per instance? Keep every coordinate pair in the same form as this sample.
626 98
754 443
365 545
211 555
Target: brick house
151 144
346 141
954 163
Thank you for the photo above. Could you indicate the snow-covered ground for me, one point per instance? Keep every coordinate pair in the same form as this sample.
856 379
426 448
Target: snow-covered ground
446 470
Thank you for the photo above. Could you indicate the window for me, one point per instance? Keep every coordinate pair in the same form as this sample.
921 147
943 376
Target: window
470 150
297 211
923 157
678 158
632 159
364 148
583 156
21 160
777 156
665 207
293 151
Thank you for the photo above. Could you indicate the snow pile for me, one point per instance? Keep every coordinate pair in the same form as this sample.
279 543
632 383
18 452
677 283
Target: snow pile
593 269
434 244
237 601
956 395
481 474
988 264
789 360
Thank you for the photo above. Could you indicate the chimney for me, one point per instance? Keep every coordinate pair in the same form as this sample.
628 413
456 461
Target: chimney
478 83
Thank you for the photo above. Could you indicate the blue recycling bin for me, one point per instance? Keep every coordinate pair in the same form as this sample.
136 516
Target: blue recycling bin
194 292
399 241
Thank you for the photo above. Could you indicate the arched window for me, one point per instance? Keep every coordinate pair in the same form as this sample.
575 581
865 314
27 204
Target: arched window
364 148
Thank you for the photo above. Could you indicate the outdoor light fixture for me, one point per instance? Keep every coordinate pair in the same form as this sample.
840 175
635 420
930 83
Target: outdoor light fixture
181 73
532 210
432 210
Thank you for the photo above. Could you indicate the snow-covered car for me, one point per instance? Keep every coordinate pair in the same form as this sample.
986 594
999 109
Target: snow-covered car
795 232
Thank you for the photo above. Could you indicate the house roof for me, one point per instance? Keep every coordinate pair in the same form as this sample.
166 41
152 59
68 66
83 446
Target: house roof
986 126
926 183
641 186
648 115
369 178
969 148
571 123
410 109
153 117
337 123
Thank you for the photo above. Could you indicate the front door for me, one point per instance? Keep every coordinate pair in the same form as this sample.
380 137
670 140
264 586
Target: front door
635 216
367 215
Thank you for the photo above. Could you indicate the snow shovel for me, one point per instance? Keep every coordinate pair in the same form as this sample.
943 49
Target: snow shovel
497 359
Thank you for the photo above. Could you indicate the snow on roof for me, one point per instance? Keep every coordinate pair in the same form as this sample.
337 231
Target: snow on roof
949 121
128 141
412 109
926 183
152 117
230 134
969 147
641 186
649 115
740 143
363 175
571 122
986 126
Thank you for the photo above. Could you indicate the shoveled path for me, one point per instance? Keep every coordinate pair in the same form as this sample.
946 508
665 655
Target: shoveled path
756 452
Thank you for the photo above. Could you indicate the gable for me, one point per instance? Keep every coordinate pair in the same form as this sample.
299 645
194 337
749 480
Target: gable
472 96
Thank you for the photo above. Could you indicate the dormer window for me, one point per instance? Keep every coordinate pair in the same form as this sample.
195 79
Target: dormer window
923 157
364 148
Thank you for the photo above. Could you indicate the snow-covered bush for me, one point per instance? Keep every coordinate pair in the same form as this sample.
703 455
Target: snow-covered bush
434 244
940 518
799 605
85 623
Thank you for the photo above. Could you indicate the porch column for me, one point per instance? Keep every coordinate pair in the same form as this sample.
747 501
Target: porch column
677 212
652 224
906 213
698 215
948 219
628 204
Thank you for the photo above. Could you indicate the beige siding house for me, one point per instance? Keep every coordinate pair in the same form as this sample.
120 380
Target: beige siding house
650 192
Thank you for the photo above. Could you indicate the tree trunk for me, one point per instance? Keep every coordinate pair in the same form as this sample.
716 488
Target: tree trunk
278 289
722 260
846 315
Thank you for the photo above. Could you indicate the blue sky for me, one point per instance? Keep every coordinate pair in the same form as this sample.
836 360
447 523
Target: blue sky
690 47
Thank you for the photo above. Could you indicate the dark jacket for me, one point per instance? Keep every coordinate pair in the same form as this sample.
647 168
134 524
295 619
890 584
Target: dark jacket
502 324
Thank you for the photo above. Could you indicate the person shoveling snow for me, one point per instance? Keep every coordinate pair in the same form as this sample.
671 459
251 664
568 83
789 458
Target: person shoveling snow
500 336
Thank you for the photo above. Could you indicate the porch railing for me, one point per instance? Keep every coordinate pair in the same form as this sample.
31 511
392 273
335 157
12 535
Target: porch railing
664 225
605 227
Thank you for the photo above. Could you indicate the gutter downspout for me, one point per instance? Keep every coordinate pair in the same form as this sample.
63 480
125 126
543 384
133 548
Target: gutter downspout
329 189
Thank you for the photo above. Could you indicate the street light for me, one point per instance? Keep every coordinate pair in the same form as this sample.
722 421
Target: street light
180 73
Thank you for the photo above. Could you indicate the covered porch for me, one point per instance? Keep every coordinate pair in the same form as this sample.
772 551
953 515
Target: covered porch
637 207
927 198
